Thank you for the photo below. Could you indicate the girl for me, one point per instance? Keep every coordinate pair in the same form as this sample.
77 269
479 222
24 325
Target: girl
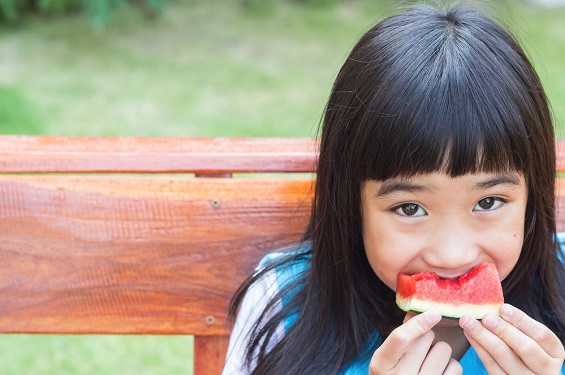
436 153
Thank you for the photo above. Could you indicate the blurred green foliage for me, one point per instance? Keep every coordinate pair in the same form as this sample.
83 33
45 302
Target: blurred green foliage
12 11
212 68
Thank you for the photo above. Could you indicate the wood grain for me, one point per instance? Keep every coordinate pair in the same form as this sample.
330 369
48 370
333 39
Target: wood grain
49 154
209 354
84 254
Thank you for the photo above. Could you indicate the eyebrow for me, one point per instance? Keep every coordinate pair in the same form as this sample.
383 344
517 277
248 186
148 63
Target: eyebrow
503 179
393 186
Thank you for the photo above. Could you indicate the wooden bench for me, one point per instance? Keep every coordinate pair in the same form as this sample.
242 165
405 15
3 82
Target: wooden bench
130 235
142 235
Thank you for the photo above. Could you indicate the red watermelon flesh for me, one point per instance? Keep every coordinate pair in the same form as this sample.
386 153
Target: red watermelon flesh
474 293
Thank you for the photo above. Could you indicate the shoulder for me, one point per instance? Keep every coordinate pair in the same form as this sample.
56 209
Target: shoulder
293 255
249 318
274 273
262 301
288 265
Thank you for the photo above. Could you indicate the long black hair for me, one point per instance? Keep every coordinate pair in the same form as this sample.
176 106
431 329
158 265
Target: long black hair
422 91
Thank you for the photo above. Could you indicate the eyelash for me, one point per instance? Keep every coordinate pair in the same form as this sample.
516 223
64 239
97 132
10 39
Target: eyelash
497 201
398 209
500 201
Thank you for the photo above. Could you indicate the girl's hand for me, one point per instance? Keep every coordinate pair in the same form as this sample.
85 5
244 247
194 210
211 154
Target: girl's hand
409 350
515 344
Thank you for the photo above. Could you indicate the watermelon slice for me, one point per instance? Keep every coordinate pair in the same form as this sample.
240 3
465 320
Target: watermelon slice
474 293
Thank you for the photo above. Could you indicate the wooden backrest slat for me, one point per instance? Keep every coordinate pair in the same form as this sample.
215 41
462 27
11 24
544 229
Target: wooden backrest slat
52 154
49 154
83 254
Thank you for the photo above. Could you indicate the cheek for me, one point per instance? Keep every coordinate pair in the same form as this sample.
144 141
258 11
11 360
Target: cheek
517 240
506 257
505 245
385 249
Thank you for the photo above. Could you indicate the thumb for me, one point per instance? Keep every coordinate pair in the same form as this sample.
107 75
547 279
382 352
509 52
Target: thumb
409 315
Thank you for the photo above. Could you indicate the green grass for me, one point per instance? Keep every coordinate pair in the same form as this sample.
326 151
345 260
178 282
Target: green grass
84 354
200 70
209 69
17 112
205 68
542 34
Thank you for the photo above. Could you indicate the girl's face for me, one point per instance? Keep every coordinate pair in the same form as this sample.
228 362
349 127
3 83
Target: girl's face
447 225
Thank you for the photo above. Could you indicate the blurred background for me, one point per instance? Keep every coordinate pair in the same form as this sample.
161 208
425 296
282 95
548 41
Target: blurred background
194 68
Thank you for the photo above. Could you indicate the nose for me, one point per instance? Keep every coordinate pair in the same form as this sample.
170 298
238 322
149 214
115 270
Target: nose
453 246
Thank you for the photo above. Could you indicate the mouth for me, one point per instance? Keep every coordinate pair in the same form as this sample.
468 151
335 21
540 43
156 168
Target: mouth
449 278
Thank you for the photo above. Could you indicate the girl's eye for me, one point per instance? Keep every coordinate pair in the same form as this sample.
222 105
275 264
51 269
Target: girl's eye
410 210
488 204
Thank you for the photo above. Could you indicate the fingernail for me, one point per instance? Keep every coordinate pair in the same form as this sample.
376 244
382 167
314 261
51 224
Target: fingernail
468 323
490 321
507 311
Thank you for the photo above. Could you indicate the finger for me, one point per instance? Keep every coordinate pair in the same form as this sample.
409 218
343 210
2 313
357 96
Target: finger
437 359
543 336
488 361
453 368
496 350
409 315
398 342
531 353
415 355
411 360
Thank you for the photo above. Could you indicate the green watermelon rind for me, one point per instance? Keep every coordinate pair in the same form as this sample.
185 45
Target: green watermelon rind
449 310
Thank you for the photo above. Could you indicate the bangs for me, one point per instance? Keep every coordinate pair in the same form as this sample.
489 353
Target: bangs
464 113
444 131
